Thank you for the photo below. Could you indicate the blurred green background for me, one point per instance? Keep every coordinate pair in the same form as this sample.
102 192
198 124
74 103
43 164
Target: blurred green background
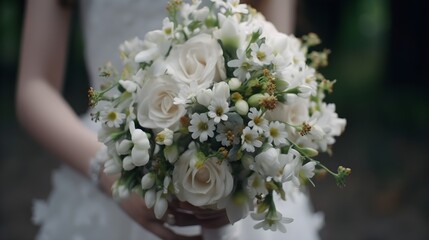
379 57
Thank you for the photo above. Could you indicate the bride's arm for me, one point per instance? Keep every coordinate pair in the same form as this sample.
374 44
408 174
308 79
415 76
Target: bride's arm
40 107
45 114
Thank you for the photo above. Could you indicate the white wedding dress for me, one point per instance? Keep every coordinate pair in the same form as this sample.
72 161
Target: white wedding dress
75 209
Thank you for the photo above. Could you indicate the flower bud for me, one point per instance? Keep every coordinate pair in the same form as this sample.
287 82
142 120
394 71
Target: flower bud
147 181
149 198
127 163
160 205
234 84
204 97
255 99
241 107
309 152
124 147
281 85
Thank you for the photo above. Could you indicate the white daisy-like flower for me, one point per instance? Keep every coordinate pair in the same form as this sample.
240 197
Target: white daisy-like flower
168 28
276 132
241 64
261 55
228 133
165 137
272 220
201 127
112 118
218 109
257 121
250 140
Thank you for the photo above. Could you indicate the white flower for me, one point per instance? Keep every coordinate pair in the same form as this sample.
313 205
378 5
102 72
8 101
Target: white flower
204 97
241 64
276 133
234 84
257 121
148 180
271 220
124 147
140 150
150 198
156 108
199 60
201 127
270 163
218 109
261 55
112 118
201 185
165 137
127 163
294 114
129 86
168 28
236 7
129 49
241 107
228 32
161 205
228 133
155 44
250 140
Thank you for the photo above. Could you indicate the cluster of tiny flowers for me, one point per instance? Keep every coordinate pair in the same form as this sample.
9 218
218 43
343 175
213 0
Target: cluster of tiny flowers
216 98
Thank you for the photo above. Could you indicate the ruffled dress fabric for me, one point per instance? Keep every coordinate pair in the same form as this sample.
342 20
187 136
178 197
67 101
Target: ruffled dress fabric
76 209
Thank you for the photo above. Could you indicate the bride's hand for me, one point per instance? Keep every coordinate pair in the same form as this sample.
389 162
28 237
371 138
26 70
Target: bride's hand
135 207
207 218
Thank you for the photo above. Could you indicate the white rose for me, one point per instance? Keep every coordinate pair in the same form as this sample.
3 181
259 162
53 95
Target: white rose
156 108
204 185
199 61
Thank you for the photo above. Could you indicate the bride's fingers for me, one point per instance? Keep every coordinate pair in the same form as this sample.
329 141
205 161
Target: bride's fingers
157 228
177 218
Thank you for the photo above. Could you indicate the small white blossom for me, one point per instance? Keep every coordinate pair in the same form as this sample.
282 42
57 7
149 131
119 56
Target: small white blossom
201 127
112 118
271 220
168 28
257 121
250 140
276 133
261 55
218 109
228 133
241 65
165 137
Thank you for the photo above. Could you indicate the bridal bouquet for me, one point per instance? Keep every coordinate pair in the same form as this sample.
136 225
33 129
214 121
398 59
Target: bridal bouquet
217 109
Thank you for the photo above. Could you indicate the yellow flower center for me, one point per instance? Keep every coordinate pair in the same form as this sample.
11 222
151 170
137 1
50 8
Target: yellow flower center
112 116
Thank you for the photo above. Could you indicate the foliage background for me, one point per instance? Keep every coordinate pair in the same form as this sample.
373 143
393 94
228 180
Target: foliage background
379 57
